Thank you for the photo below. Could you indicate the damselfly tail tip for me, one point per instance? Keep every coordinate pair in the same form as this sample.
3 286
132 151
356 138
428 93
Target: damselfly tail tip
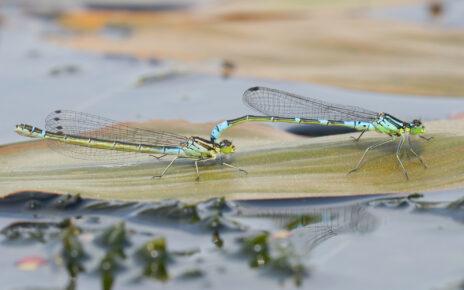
23 129
22 126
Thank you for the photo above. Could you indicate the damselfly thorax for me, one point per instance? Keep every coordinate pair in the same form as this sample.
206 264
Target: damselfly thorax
198 148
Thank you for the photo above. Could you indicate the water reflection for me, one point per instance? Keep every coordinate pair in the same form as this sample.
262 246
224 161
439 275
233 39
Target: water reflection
307 227
171 243
72 254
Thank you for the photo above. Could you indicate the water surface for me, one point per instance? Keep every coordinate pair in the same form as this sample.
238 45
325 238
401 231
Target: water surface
377 242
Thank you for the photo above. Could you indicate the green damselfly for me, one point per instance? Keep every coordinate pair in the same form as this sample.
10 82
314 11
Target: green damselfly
86 136
280 106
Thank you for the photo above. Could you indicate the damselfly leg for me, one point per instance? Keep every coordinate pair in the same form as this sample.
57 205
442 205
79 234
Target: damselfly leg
425 138
411 148
222 163
196 169
367 150
159 157
231 166
356 139
166 169
398 151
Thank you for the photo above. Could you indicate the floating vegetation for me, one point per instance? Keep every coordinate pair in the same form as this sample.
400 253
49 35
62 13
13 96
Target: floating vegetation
108 267
156 258
30 232
256 247
171 211
211 214
115 239
274 255
287 263
72 253
208 215
67 201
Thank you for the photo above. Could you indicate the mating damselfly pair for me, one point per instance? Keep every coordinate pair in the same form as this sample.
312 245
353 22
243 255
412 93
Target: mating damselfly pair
87 136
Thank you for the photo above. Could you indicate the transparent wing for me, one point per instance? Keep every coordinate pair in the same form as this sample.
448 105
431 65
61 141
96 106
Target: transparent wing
91 126
277 103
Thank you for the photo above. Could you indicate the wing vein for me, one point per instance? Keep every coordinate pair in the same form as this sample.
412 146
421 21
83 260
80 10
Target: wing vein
278 103
91 126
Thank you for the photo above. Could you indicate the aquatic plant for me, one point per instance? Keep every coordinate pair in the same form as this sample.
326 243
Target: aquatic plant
276 256
211 216
67 201
108 266
256 247
155 256
30 232
115 240
171 210
72 252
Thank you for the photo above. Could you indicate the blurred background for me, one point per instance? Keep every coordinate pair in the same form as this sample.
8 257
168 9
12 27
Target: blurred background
192 60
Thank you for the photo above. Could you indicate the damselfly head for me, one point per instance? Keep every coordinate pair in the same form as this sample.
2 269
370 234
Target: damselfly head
226 147
416 127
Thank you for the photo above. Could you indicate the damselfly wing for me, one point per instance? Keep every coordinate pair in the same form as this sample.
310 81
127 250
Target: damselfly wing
95 127
272 102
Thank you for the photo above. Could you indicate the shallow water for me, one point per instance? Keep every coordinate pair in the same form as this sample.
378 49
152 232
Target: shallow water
365 242
38 77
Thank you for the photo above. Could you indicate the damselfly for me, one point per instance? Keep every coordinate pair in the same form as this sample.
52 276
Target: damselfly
86 136
280 106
